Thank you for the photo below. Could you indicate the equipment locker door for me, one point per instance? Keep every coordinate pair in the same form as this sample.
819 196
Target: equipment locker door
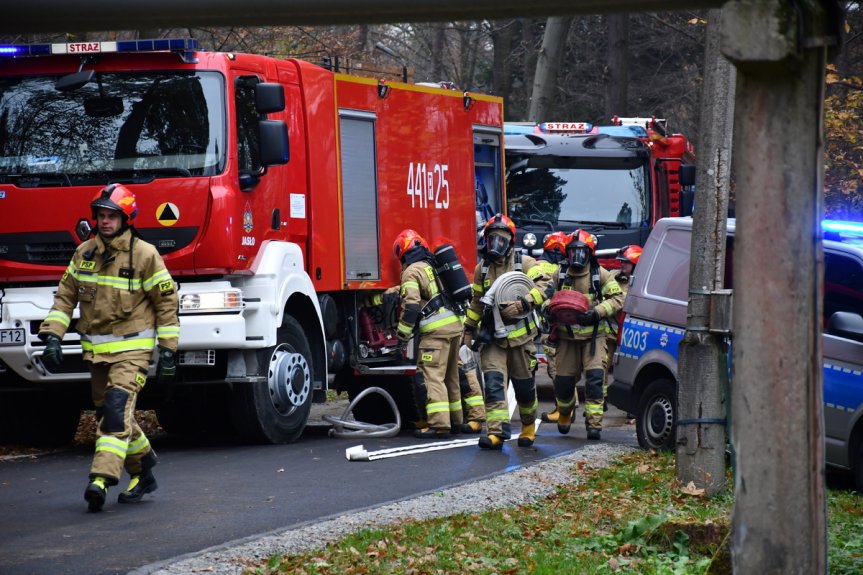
359 195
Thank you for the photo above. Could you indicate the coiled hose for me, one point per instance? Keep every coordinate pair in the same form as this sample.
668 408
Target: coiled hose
510 286
350 428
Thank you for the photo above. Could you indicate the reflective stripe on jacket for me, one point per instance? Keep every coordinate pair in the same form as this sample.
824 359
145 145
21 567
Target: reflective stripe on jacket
126 296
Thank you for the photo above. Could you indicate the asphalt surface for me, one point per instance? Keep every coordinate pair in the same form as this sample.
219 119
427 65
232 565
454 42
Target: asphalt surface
210 494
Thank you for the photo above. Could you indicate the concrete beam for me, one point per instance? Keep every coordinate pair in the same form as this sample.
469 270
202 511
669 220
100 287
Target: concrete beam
45 16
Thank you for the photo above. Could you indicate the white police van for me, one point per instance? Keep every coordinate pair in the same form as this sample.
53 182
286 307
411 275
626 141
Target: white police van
645 365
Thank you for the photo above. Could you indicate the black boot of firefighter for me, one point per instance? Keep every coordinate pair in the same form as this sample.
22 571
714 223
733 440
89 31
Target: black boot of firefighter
141 484
96 493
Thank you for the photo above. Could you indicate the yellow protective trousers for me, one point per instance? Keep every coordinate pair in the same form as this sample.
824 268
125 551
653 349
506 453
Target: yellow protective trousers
437 369
120 442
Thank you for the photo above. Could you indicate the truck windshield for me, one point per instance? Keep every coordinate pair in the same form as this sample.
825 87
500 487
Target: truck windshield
117 127
584 195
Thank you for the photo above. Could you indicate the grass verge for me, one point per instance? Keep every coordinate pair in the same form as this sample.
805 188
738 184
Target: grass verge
630 517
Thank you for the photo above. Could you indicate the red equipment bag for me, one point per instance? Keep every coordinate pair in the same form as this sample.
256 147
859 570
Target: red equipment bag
565 305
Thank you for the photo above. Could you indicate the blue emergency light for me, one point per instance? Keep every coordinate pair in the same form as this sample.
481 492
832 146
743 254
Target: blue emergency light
182 45
843 231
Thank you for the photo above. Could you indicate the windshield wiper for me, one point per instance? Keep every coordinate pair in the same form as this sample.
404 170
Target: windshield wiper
37 180
536 222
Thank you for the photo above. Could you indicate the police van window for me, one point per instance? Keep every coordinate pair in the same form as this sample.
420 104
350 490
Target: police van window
669 278
248 143
843 285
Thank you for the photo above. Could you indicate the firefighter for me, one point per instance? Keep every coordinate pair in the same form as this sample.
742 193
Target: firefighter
581 347
128 308
471 392
553 255
512 356
424 309
628 257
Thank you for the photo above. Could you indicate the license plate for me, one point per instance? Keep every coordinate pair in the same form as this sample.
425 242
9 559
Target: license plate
12 336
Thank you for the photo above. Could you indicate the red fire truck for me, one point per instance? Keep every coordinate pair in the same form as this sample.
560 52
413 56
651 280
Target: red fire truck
615 181
273 189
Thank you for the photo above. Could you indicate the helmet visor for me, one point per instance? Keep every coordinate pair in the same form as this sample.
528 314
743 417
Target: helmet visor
578 256
496 245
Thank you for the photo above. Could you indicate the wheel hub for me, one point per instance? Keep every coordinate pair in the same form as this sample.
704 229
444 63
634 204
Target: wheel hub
660 419
289 379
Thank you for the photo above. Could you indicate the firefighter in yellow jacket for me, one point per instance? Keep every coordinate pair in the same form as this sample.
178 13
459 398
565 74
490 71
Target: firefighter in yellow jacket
424 311
628 257
128 305
512 356
581 347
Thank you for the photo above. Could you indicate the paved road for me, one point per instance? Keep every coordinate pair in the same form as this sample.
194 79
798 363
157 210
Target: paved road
212 494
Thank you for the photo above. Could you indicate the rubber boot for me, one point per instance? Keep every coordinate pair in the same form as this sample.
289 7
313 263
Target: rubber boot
550 416
96 493
471 427
429 433
564 422
593 433
143 483
491 442
527 435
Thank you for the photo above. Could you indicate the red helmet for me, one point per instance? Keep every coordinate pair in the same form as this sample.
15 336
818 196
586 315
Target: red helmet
581 247
116 197
556 241
629 254
406 241
499 222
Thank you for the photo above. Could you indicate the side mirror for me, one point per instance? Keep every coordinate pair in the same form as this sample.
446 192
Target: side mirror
73 81
269 97
687 175
846 324
275 147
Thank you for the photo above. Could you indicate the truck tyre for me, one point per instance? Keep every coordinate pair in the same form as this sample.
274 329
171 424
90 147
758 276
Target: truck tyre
656 415
276 409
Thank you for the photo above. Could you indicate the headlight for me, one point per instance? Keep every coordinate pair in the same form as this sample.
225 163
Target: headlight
529 240
208 302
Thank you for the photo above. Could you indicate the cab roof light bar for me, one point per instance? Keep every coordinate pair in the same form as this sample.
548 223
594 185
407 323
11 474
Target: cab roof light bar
183 46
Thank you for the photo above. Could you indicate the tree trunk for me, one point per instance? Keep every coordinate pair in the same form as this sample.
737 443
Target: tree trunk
437 68
617 69
502 34
548 63
703 365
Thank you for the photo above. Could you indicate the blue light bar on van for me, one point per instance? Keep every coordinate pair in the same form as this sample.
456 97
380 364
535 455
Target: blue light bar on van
843 231
158 45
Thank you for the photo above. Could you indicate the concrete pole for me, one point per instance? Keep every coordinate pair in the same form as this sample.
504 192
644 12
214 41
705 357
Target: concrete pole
703 366
779 518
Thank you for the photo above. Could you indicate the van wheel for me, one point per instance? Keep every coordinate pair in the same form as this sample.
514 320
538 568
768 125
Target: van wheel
656 415
276 409
857 466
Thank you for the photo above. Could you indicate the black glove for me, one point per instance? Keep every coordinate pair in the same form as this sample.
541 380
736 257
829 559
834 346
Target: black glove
588 318
166 370
52 357
391 299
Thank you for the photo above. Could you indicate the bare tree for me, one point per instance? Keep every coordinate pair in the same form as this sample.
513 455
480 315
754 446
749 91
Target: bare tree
547 64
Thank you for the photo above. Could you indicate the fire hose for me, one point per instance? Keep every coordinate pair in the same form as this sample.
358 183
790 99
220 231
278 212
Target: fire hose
509 287
349 428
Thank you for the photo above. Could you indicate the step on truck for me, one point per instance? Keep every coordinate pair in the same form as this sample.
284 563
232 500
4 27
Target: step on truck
273 188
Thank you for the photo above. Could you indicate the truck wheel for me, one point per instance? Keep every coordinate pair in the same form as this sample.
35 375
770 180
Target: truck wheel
656 415
276 409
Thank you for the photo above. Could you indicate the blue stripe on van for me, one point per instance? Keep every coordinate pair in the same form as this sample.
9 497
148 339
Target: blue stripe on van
843 387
